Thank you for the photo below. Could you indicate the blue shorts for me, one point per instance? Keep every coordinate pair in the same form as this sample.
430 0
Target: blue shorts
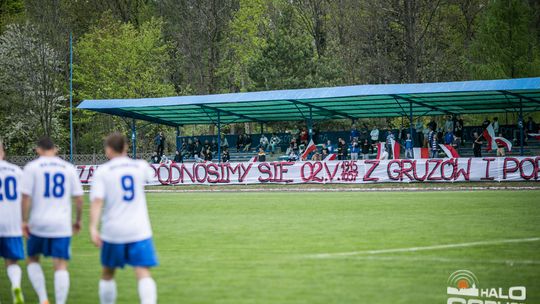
12 248
59 248
136 254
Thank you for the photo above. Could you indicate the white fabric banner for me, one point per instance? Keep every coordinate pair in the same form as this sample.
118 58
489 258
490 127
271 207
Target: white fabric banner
349 172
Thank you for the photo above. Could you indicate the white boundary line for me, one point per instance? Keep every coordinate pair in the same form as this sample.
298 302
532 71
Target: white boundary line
415 249
446 260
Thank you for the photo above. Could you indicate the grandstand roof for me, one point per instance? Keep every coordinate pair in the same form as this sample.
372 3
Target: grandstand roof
352 102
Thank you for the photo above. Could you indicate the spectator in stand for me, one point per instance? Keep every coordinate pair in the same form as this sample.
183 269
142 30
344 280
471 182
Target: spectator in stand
341 154
366 146
197 148
331 149
419 127
388 143
426 131
354 133
226 157
496 125
449 123
190 148
240 143
531 125
432 141
316 156
208 154
207 145
294 145
247 142
449 137
154 159
324 154
477 144
304 137
224 142
355 149
178 157
456 143
486 123
292 155
263 142
408 146
274 141
159 141
261 156
432 125
213 146
500 147
374 135
458 129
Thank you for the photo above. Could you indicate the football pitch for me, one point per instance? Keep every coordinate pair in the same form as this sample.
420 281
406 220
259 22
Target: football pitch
321 247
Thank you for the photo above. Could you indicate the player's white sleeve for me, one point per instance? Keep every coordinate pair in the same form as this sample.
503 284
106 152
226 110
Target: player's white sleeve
27 181
97 188
76 186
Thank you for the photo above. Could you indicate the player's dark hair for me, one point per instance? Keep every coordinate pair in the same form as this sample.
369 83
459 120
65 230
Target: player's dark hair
45 143
117 142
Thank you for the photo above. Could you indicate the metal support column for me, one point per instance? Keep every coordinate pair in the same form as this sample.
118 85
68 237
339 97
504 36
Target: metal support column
178 138
219 136
521 133
134 138
411 121
310 124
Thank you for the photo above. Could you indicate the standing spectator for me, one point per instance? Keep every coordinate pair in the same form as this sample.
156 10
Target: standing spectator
261 156
432 125
294 145
274 141
340 149
408 146
366 146
263 142
500 147
486 123
449 123
354 133
426 132
224 142
459 130
226 157
197 148
159 141
374 134
207 145
240 143
355 149
389 137
477 145
304 136
330 147
432 141
449 137
190 148
247 142
419 127
496 125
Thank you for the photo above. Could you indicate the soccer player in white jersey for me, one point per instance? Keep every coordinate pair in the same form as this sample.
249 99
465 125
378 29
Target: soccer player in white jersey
48 186
11 243
126 235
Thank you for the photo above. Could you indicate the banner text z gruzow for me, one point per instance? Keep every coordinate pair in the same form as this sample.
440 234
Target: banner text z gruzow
349 172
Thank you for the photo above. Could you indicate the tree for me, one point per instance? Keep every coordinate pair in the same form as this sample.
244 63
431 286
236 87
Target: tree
506 45
32 84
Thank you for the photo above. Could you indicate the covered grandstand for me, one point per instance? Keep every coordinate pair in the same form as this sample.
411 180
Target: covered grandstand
347 102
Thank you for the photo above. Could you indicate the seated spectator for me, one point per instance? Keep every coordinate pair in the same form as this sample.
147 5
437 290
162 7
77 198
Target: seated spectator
178 157
274 141
213 146
263 142
294 145
292 156
355 149
154 159
240 143
226 157
316 156
366 147
224 142
408 146
261 156
165 160
324 154
247 142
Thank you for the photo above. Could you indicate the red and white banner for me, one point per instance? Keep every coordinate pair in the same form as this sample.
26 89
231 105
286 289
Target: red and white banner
361 171
489 135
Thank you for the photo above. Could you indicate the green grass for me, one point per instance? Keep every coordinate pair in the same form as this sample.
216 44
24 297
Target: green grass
253 247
